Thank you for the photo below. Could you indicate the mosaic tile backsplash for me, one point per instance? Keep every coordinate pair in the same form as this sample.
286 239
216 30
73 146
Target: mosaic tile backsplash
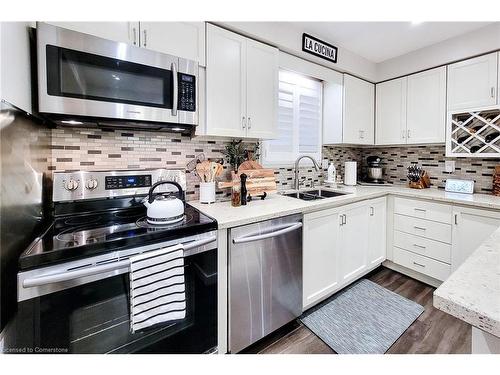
98 149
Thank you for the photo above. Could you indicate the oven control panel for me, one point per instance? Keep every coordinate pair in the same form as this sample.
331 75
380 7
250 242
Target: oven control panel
127 182
187 92
81 185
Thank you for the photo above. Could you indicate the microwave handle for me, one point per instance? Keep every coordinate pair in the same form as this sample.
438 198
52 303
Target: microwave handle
176 90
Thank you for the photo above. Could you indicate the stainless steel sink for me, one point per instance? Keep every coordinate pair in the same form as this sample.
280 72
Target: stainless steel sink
311 195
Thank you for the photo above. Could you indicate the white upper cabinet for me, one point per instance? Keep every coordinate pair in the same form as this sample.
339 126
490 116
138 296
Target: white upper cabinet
226 83
126 32
15 69
241 99
262 88
473 83
391 112
426 107
183 39
332 109
358 108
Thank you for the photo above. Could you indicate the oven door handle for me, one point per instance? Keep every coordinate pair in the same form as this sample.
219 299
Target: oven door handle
175 85
114 266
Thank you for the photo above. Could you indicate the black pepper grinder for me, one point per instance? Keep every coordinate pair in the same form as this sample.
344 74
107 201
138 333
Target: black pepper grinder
243 179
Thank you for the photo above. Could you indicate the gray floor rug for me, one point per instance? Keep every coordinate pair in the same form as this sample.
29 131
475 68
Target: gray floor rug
365 318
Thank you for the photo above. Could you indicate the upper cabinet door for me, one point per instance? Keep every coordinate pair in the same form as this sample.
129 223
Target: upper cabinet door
358 121
473 83
226 83
332 109
183 39
426 107
262 90
126 32
391 112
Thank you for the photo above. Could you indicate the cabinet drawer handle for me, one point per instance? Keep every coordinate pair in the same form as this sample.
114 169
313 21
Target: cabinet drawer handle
420 228
418 264
419 246
420 209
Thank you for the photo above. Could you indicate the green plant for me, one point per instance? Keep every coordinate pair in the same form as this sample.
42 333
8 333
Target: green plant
254 153
235 153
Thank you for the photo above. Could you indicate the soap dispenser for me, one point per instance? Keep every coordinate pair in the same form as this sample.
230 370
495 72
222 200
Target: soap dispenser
331 174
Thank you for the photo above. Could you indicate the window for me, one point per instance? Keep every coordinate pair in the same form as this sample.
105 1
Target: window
299 120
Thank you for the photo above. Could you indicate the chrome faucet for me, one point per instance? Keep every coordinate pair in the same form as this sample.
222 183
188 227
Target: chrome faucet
296 183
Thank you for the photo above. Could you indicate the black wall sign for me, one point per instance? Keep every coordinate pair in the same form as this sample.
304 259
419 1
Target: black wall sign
317 47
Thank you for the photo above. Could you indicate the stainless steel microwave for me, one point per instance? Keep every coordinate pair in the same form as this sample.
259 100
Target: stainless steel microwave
83 79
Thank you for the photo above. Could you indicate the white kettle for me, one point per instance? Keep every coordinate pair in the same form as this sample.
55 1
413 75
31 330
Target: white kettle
164 209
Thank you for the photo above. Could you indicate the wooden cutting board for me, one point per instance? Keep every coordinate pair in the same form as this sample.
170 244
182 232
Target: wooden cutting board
259 181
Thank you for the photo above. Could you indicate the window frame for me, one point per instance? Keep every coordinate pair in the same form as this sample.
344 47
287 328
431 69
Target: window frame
295 152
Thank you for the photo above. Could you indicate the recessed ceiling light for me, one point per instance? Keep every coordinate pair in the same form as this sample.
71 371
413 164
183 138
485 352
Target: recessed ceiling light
71 122
178 129
415 23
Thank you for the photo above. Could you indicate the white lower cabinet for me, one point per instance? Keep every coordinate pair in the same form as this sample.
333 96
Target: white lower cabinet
340 245
353 246
320 255
471 228
377 234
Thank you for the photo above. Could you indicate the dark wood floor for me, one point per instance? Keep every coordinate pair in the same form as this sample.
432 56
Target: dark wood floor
433 332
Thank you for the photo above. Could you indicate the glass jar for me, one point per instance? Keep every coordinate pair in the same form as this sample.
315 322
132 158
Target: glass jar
236 195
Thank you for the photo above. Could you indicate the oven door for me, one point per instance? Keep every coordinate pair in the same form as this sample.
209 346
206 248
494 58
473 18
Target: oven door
83 75
93 317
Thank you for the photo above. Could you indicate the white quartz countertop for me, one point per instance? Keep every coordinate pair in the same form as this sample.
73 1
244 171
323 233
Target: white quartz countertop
277 205
472 292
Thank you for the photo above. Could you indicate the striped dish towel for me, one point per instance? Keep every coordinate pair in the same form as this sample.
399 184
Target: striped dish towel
157 289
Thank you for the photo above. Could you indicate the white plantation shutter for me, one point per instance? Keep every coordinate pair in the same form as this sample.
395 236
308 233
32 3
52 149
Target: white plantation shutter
299 120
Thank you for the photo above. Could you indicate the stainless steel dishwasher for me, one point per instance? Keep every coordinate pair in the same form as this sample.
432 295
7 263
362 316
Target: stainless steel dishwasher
265 278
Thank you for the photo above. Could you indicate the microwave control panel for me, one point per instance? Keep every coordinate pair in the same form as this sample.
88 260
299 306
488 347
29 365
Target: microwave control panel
187 92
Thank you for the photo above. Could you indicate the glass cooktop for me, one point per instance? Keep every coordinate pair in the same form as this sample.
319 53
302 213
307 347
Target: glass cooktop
77 236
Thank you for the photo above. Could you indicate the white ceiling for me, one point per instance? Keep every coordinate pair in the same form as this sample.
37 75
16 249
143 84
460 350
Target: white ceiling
380 41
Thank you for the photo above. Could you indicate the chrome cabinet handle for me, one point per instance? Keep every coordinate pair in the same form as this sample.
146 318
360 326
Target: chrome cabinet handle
408 133
274 232
403 134
456 219
249 122
492 92
372 211
134 32
95 270
420 228
175 98
420 209
145 38
243 122
419 246
418 264
345 219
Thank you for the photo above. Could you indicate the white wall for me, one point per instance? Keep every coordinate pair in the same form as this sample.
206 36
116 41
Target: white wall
15 68
288 38
476 42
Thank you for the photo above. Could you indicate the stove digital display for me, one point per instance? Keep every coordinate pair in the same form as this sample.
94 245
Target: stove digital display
127 182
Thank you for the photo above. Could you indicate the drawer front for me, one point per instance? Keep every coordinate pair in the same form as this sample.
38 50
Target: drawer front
423 228
423 246
424 265
423 210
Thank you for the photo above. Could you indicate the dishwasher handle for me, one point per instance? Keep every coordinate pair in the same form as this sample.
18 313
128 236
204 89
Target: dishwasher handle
278 230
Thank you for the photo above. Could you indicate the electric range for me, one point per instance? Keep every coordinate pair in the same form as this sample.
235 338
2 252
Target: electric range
73 287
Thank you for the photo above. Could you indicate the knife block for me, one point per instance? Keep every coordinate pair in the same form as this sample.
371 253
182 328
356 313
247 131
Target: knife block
423 183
